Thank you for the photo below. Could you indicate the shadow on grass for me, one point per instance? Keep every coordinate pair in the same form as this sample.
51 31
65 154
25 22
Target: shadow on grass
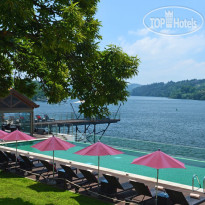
17 201
89 200
44 188
7 174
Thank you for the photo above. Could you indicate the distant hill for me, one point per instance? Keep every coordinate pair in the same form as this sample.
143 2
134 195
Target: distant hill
131 86
40 95
187 89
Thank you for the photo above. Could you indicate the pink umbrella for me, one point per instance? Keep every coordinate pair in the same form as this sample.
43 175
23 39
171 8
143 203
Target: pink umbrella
2 134
158 160
52 144
16 136
98 149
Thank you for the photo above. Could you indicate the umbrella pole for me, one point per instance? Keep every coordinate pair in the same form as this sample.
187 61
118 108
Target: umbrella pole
16 152
53 164
157 185
98 170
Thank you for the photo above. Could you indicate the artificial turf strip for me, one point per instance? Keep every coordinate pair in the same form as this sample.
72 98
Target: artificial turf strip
16 190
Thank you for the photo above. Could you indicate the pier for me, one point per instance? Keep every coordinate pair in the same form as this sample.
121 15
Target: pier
68 123
75 122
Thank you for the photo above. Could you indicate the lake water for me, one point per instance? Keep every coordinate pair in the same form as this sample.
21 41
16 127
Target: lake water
148 123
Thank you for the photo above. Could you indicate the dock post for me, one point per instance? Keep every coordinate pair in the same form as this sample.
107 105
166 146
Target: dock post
94 132
59 129
76 133
85 139
68 126
31 123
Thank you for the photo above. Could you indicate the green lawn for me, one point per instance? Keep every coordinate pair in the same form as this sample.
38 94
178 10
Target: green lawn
17 190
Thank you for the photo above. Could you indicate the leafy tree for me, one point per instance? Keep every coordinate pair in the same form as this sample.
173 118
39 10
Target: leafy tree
56 43
187 89
39 95
103 83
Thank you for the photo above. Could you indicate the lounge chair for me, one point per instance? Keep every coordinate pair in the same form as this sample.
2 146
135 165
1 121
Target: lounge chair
141 190
91 177
46 171
12 157
3 157
49 167
4 160
41 173
178 198
48 119
39 118
114 184
14 162
29 164
70 173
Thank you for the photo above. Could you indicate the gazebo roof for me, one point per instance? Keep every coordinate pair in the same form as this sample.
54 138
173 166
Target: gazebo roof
17 101
23 98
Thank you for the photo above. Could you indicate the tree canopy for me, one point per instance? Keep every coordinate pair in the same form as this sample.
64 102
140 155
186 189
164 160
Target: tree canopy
56 43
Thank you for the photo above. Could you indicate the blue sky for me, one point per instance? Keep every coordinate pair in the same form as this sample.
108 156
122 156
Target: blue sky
163 58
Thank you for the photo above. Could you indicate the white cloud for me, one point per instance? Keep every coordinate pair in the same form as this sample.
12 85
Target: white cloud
165 46
182 70
168 58
140 32
192 69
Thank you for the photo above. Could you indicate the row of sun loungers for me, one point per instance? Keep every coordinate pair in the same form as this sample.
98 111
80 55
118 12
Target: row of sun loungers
109 185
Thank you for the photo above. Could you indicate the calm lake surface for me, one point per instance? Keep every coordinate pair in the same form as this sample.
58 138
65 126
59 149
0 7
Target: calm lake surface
149 123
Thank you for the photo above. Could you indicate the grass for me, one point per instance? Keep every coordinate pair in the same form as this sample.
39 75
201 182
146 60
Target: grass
17 190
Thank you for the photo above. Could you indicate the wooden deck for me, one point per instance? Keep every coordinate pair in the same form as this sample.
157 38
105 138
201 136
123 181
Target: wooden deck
76 122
